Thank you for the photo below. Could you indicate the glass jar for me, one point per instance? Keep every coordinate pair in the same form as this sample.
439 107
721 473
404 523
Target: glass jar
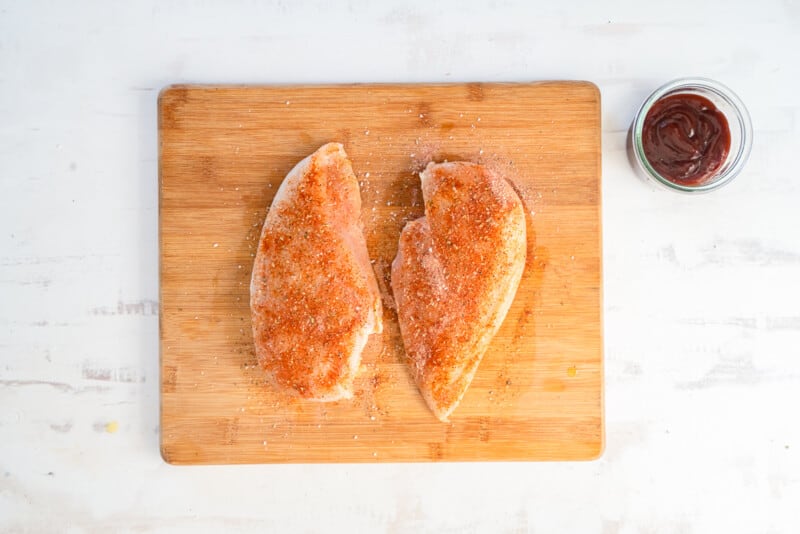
741 132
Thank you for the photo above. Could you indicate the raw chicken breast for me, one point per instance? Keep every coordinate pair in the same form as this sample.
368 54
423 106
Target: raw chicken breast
314 298
455 275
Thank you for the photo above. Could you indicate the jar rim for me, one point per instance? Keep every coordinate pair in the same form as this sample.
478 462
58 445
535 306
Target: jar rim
719 90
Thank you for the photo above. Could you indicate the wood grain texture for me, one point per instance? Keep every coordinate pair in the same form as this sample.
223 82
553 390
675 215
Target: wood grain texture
224 151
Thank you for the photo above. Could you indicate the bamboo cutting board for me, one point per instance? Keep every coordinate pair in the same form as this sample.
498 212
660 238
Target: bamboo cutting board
223 153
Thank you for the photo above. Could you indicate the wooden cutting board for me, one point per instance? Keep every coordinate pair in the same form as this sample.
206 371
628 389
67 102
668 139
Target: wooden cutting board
538 394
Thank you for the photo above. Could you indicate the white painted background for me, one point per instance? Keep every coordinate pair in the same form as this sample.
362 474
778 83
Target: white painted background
702 295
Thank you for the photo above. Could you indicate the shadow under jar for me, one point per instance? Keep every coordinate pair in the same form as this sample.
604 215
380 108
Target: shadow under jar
692 135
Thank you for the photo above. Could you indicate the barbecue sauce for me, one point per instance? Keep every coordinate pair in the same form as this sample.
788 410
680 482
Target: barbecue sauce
686 139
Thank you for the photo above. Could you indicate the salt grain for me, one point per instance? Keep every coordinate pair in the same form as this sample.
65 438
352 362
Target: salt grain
216 245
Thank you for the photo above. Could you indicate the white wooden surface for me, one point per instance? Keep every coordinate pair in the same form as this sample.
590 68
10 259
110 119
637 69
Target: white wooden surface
702 295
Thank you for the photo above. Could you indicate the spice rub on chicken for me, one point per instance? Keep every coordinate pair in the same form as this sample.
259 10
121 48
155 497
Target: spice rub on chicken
314 298
455 275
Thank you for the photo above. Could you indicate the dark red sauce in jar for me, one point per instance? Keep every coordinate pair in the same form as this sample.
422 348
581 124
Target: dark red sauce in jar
686 138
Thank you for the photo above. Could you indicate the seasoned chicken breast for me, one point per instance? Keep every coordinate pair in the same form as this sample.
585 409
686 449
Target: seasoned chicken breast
455 275
314 298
